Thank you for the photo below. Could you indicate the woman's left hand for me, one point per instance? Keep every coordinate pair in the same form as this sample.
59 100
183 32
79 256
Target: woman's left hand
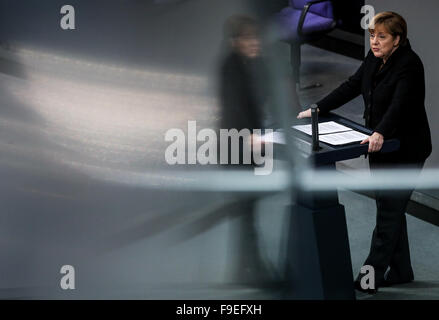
375 142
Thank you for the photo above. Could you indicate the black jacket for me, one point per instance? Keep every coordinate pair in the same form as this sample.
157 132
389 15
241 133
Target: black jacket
393 98
241 93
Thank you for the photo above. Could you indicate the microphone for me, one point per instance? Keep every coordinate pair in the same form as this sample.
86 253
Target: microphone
315 127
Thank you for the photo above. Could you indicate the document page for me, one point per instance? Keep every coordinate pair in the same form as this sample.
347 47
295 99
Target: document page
343 137
275 137
337 138
324 128
279 138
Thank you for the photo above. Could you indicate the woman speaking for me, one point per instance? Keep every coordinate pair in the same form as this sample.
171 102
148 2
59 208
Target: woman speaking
391 81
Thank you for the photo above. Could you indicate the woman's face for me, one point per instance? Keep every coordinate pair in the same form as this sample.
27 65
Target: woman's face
248 44
382 43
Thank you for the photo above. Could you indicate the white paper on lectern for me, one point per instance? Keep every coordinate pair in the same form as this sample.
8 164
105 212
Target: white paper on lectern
324 128
275 137
337 138
343 137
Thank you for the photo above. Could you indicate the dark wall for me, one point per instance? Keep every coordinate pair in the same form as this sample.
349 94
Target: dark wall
178 34
349 13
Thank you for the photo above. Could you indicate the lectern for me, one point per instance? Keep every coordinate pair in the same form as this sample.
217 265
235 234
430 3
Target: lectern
318 264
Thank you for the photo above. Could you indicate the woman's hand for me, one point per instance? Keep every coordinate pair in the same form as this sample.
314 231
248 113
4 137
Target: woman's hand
255 141
376 141
304 114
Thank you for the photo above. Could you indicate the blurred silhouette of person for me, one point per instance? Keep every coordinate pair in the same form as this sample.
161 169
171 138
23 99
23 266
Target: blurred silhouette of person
242 98
242 95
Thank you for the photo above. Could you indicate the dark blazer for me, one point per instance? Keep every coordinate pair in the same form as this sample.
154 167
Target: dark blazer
394 101
241 95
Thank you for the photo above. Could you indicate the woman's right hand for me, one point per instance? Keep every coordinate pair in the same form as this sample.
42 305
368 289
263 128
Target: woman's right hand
304 114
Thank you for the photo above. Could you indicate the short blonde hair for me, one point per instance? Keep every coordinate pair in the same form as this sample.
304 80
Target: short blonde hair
393 23
239 25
